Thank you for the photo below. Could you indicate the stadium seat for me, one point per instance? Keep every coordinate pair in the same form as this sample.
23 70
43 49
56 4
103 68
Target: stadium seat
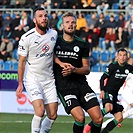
96 54
100 42
112 56
103 67
96 68
115 6
15 54
15 65
105 56
7 65
131 44
1 64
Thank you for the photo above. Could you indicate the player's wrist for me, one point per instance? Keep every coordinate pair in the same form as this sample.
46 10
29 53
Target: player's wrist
73 70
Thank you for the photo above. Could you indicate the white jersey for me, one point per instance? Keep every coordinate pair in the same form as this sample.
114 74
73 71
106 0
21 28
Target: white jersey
127 93
39 51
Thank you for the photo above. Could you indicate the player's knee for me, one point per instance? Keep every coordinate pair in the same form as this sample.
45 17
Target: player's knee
98 120
80 118
53 116
119 119
40 112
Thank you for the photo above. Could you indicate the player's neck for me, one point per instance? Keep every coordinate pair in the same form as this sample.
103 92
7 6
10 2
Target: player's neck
68 38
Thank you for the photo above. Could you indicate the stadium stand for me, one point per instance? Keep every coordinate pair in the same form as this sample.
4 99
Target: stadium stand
103 57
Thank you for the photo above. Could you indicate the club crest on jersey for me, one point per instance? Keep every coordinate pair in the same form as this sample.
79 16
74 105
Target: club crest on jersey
76 49
126 71
45 48
52 39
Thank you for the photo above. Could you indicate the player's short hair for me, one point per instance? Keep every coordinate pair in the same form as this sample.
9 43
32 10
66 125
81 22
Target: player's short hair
68 14
122 49
38 9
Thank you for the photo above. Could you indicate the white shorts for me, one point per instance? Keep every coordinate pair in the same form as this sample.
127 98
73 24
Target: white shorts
41 90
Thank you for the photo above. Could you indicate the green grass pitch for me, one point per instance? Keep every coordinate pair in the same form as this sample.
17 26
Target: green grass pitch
20 123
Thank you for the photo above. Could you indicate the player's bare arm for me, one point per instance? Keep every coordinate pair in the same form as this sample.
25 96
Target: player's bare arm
21 67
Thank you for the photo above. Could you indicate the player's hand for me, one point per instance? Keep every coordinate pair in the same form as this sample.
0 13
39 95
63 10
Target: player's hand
65 65
19 91
68 70
102 94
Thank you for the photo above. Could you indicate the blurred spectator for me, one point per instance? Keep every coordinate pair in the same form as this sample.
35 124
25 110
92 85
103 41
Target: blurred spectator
101 25
129 26
122 39
112 22
102 8
123 3
16 34
90 4
7 33
30 4
93 38
5 4
81 22
1 26
63 4
84 33
110 2
15 22
6 21
92 21
17 4
129 10
6 49
25 22
110 38
55 4
54 20
121 21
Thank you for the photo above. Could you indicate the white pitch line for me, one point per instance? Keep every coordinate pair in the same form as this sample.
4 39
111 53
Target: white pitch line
30 122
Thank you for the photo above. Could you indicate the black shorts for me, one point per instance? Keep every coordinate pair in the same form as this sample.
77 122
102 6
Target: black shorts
82 96
109 98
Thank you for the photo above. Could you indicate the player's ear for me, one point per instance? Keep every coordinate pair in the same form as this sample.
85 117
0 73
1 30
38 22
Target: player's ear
62 26
34 20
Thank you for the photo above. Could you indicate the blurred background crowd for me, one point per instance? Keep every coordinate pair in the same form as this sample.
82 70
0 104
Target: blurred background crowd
106 25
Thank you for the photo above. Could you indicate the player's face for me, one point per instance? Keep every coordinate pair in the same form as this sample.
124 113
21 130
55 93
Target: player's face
69 25
41 20
122 57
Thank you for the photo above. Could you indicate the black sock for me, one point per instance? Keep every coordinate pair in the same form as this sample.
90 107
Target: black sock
110 126
78 127
95 128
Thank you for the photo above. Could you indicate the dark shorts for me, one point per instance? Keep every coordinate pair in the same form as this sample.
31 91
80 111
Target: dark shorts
82 96
109 98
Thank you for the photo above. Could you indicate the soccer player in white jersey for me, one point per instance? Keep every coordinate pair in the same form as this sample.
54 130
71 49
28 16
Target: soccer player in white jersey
35 70
126 100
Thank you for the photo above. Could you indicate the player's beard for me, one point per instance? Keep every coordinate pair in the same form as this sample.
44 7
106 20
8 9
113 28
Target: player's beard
69 33
42 28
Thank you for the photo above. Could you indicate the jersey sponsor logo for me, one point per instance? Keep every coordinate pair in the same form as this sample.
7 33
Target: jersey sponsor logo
127 71
118 70
120 76
67 97
89 96
65 54
76 49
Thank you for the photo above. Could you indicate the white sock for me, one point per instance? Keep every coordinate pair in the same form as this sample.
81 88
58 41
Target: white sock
46 125
36 123
128 113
